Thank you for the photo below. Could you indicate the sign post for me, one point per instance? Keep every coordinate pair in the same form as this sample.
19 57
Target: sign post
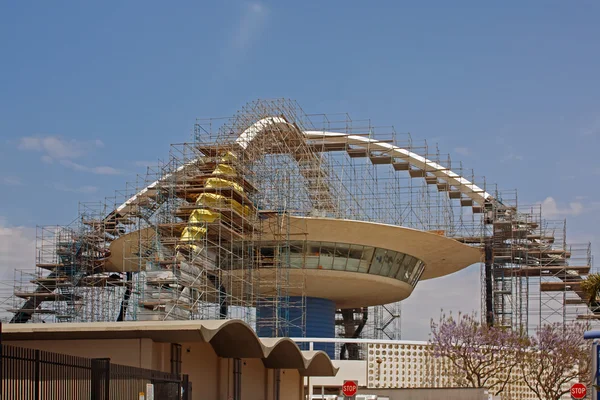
149 391
349 389
578 391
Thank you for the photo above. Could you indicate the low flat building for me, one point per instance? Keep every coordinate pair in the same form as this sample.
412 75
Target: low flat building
221 357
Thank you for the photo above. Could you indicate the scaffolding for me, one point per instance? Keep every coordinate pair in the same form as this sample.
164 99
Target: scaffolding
212 232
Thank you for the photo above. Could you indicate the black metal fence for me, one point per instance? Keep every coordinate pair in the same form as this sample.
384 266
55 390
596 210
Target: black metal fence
28 374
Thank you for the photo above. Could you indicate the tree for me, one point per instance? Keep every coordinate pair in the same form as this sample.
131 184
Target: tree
556 357
591 287
483 356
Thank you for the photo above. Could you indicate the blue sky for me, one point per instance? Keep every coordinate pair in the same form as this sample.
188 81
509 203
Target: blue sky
89 92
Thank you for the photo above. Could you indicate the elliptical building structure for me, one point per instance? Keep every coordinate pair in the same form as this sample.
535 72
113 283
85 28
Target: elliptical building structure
302 225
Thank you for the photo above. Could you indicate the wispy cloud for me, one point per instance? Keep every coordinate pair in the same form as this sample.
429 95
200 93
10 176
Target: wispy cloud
551 209
103 170
463 151
512 157
244 34
250 25
82 189
11 181
145 163
55 148
17 249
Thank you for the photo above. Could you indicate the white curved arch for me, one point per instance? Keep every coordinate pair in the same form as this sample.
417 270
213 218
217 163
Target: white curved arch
463 185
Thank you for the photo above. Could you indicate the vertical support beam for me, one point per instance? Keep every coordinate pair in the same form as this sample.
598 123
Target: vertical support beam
489 295
311 347
237 379
187 387
100 379
277 384
36 375
1 363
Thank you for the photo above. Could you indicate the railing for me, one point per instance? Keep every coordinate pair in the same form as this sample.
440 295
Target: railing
29 374
34 374
349 349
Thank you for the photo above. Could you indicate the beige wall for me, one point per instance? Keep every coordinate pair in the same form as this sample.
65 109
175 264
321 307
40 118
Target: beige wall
132 352
292 385
253 379
201 363
211 376
161 356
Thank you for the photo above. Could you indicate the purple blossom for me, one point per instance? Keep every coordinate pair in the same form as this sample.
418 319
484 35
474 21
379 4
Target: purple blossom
492 357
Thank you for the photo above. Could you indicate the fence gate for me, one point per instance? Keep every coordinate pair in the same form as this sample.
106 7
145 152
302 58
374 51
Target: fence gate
27 374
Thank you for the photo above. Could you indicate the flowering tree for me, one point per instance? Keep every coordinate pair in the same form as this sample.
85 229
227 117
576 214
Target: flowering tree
557 356
483 356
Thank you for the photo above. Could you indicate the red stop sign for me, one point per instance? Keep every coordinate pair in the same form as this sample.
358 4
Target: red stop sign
578 391
349 388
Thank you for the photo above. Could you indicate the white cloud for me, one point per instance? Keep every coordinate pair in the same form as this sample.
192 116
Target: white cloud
65 151
513 157
103 170
551 209
56 147
250 25
82 189
463 151
145 163
12 181
460 291
17 250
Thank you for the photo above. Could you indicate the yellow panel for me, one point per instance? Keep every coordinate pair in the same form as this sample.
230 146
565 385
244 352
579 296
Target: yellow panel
203 215
223 183
223 169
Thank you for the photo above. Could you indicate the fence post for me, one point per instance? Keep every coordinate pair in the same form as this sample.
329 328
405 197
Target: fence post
1 364
36 375
187 388
100 379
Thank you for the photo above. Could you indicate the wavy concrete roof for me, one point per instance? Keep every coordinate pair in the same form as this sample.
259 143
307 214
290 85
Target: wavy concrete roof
229 339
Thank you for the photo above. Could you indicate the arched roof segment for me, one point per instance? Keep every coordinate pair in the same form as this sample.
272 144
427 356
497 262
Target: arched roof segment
461 184
228 338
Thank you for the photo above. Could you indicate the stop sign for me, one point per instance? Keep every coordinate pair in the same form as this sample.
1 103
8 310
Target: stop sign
578 391
349 388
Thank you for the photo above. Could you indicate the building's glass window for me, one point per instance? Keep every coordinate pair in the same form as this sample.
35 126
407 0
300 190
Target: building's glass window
354 257
367 257
388 261
406 269
418 271
342 257
312 254
297 254
377 262
396 265
342 252
326 255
